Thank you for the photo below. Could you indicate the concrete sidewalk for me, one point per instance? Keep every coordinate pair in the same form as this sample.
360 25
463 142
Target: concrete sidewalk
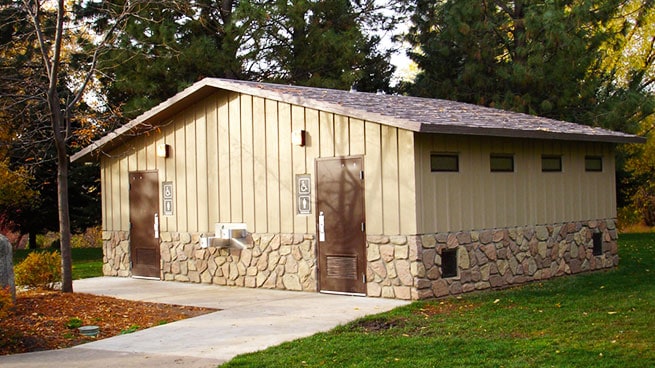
249 320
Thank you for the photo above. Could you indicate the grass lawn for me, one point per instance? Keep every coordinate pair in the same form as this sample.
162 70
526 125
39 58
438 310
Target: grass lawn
602 319
87 262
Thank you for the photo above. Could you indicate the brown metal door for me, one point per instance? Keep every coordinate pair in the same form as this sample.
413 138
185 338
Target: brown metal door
340 225
144 221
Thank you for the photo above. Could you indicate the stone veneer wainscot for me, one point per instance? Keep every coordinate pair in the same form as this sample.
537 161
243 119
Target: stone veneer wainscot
409 267
402 267
285 262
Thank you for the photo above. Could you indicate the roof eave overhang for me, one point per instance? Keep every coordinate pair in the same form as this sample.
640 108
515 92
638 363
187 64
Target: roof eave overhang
145 122
530 134
159 115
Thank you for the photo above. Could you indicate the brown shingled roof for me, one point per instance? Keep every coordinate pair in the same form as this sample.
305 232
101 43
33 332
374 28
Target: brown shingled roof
412 113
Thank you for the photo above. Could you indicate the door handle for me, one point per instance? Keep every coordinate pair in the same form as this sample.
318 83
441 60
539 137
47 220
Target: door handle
156 226
321 226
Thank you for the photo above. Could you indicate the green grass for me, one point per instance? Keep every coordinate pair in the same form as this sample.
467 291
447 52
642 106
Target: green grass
602 319
87 262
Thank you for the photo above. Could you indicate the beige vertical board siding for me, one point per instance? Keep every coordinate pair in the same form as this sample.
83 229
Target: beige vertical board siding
122 176
248 157
326 134
341 136
406 182
191 195
152 160
259 153
272 167
224 180
202 168
105 185
391 216
236 186
312 151
213 174
286 169
373 182
181 205
299 158
357 137
526 196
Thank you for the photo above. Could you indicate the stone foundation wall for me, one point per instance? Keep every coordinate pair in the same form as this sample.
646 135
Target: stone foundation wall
409 267
401 267
272 261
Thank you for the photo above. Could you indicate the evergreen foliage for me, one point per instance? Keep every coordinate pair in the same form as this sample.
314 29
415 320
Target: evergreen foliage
538 57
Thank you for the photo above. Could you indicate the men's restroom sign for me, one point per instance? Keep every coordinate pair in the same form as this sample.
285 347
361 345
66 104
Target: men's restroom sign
304 194
167 198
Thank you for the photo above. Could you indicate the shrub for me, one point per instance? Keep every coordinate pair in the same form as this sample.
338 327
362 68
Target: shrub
91 238
6 302
39 269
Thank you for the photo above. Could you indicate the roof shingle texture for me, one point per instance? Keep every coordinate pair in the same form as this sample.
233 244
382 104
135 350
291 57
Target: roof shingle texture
423 115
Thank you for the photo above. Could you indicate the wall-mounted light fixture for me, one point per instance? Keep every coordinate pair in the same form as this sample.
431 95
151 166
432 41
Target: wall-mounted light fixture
298 137
163 150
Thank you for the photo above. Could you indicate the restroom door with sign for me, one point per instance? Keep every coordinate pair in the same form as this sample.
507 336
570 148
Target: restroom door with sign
341 225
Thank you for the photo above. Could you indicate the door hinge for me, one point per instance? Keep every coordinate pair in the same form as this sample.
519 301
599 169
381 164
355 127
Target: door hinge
363 227
361 175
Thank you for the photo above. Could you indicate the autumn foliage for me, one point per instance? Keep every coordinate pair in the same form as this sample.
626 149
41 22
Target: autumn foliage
39 270
6 302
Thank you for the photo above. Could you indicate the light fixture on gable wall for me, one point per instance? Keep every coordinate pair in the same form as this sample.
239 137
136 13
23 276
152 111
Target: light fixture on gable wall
163 150
298 137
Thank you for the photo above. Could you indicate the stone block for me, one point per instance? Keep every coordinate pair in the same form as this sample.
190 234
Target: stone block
401 251
496 281
387 252
428 257
452 241
463 259
417 269
185 238
404 272
455 288
379 268
398 240
498 235
441 238
490 252
402 292
433 273
291 282
373 289
372 252
391 270
463 238
387 292
424 294
440 288
423 283
377 239
486 236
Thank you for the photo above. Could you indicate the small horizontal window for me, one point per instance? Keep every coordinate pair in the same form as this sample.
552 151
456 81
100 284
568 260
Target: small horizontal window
593 163
444 162
501 162
551 163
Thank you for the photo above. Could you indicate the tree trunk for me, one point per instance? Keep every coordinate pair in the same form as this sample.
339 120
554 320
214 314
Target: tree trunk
64 222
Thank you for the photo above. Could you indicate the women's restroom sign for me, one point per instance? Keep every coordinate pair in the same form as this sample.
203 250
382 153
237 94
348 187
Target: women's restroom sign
167 198
304 194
